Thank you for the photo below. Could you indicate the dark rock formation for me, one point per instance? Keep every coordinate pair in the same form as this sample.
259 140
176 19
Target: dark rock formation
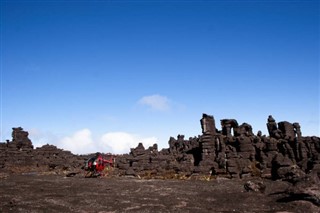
254 186
234 151
305 188
20 139
208 124
19 155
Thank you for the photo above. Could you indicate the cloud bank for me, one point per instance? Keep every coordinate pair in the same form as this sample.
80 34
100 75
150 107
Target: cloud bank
79 143
156 102
121 142
83 142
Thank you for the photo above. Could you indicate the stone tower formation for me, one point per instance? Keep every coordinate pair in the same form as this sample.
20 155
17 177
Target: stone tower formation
233 151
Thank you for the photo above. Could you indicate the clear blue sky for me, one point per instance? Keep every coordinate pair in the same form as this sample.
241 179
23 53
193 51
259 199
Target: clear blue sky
86 75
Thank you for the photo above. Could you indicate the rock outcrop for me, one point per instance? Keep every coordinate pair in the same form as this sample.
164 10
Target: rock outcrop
19 155
234 151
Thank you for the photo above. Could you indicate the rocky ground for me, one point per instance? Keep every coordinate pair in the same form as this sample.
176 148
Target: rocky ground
34 192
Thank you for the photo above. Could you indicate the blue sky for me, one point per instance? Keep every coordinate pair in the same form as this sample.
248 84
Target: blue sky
103 75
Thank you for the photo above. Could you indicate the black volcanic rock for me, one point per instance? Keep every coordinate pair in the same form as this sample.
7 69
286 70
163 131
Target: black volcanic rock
19 155
20 138
241 154
234 151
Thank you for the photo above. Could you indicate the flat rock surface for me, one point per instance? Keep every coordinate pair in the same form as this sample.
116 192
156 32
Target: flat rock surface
54 193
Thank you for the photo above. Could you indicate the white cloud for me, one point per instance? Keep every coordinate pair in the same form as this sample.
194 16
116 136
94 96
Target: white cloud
156 102
79 143
82 141
121 142
40 138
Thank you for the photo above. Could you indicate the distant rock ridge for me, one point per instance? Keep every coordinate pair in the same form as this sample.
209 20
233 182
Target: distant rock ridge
19 155
233 151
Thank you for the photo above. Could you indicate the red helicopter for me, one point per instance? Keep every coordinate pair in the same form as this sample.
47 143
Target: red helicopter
96 165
